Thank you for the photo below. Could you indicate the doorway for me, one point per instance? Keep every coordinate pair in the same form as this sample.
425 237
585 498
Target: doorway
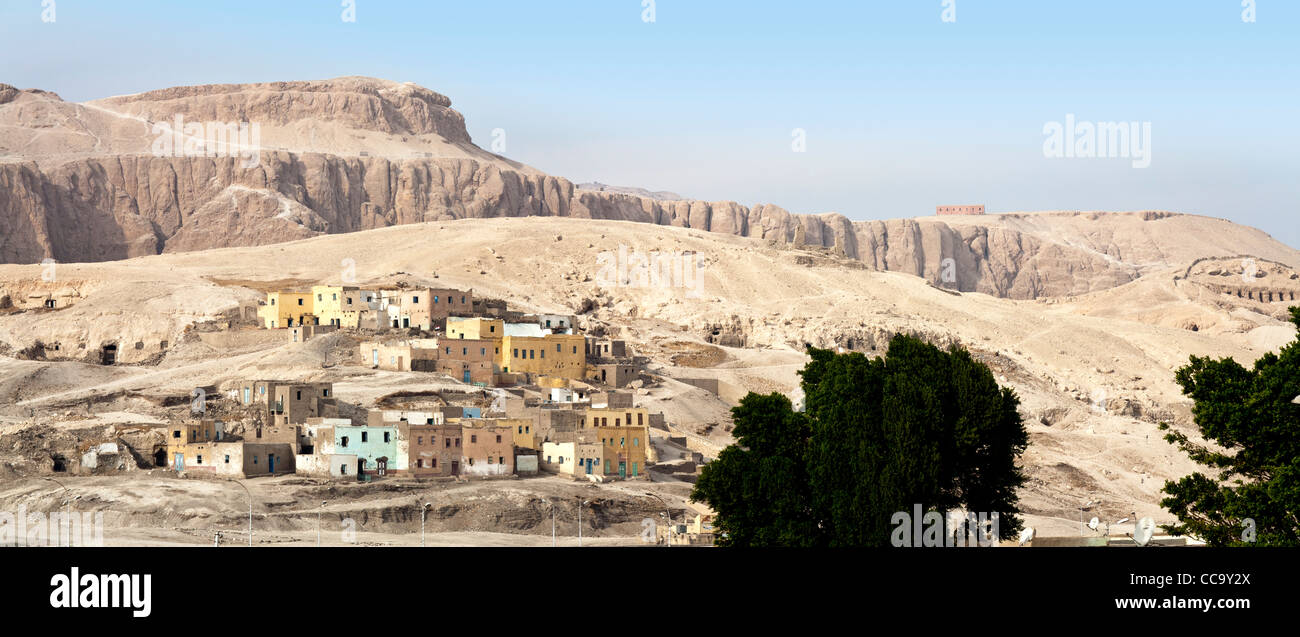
180 462
108 355
160 458
270 463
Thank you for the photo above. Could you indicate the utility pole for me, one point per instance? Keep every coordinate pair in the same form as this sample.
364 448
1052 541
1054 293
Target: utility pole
250 510
67 500
318 514
424 510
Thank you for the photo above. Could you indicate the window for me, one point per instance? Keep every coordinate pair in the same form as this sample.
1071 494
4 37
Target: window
516 353
299 394
200 459
299 301
419 464
415 299
365 436
386 436
448 442
575 349
435 298
636 442
557 345
521 429
473 438
345 441
464 351
255 459
419 440
501 460
482 351
227 458
176 434
498 438
433 463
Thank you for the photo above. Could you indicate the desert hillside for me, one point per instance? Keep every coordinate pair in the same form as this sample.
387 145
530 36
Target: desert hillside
84 183
1094 371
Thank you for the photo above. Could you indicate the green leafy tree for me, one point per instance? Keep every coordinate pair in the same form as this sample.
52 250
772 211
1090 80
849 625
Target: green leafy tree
918 426
759 486
1249 416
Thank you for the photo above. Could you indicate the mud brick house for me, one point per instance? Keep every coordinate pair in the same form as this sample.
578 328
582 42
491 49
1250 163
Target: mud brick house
489 450
959 210
282 403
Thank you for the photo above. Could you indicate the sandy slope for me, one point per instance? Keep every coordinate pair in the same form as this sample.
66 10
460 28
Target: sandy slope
1094 372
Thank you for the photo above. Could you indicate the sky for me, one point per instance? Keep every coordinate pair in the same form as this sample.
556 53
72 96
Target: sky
874 109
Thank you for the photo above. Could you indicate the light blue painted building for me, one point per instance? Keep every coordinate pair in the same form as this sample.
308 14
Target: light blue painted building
374 447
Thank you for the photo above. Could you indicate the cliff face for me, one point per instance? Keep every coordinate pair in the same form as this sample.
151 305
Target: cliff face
79 183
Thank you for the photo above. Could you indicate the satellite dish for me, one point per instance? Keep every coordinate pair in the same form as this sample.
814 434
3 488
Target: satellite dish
1146 527
1026 535
1092 524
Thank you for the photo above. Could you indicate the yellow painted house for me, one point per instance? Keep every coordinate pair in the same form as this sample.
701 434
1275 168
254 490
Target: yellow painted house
475 328
287 309
562 355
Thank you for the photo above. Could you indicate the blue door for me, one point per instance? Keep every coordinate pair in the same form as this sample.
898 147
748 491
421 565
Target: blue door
180 462
590 461
466 375
270 462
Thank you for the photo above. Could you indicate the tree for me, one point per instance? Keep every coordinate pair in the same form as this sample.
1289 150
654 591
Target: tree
759 486
1250 417
918 426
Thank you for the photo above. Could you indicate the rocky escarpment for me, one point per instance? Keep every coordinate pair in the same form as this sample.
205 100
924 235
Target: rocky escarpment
80 183
355 103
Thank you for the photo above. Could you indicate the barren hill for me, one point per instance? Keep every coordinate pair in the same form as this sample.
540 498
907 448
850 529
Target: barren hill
86 183
1094 371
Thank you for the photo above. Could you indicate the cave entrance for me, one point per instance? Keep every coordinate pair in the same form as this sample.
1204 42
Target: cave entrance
108 355
160 458
60 463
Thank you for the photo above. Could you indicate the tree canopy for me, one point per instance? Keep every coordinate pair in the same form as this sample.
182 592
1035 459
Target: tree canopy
879 435
1249 416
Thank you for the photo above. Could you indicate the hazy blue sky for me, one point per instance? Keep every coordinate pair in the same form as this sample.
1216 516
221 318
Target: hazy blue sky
902 110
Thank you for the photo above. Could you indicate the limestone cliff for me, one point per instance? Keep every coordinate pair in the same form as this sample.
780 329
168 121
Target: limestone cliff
81 183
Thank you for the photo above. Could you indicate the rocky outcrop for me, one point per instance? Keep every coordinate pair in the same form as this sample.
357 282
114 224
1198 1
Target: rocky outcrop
109 198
